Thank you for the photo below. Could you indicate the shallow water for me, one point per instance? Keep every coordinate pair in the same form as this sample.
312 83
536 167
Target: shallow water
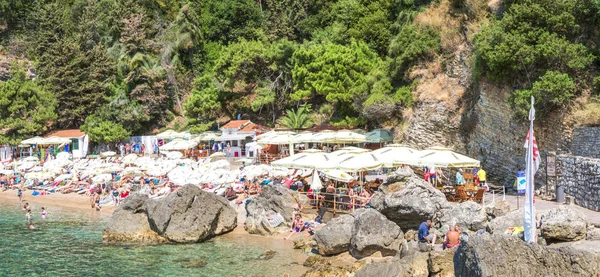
70 244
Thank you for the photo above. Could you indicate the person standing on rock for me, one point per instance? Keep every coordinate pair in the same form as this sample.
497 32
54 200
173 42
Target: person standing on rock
424 236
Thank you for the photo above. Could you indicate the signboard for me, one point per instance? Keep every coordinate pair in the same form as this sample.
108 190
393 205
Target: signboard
521 182
551 166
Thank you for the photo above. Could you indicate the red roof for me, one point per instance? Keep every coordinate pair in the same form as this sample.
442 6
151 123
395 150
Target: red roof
73 133
254 127
235 124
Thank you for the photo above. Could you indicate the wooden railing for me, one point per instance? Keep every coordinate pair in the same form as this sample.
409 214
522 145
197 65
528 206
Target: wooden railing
336 202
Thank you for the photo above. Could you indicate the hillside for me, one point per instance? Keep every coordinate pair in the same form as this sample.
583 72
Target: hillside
452 72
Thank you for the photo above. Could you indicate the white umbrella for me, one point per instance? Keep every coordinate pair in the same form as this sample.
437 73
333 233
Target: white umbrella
55 141
217 155
307 159
33 140
173 155
303 137
316 184
31 159
355 163
170 134
207 136
396 154
346 136
322 136
443 157
338 175
129 159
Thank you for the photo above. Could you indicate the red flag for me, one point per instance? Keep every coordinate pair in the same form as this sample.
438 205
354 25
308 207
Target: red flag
536 151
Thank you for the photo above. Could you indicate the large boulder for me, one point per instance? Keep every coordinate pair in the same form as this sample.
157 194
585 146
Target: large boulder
499 225
374 232
564 224
441 263
129 223
593 233
273 200
468 215
398 177
191 214
414 202
412 265
498 255
498 209
335 236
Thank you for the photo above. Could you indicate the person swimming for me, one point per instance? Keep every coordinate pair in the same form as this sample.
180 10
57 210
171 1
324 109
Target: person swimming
44 213
28 215
31 225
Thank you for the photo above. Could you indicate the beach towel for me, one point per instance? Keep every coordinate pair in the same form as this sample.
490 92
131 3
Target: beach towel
275 220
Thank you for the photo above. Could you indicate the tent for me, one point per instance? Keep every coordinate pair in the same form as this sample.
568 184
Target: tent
443 157
379 136
394 155
305 160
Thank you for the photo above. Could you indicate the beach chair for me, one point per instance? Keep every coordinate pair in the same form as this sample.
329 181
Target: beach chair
479 196
461 194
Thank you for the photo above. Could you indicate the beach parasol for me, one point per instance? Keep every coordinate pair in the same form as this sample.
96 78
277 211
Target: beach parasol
170 134
303 137
346 136
337 175
355 163
207 136
55 141
33 140
179 144
307 159
173 155
322 136
129 159
443 157
396 155
379 136
316 184
217 155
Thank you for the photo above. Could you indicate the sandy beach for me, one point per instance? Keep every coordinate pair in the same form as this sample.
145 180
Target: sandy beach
71 202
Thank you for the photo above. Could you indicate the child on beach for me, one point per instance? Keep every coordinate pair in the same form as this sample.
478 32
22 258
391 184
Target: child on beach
20 194
44 213
297 226
26 207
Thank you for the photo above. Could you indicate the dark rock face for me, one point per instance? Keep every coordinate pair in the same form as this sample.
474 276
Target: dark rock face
273 199
191 215
373 232
498 255
415 202
334 238
564 224
129 223
187 215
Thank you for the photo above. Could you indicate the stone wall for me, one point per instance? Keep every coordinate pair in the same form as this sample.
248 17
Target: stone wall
581 178
586 142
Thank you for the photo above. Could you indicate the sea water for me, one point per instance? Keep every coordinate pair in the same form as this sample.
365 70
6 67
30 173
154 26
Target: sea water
70 244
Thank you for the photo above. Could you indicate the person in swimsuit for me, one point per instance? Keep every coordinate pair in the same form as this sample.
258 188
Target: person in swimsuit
26 207
452 238
297 226
20 194
97 203
31 226
28 215
44 213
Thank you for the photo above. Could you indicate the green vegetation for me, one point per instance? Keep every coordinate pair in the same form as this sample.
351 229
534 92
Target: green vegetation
118 67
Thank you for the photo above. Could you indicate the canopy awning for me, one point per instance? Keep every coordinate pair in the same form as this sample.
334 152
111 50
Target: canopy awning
443 157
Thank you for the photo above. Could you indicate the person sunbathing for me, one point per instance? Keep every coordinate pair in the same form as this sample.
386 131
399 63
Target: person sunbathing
452 238
230 194
297 226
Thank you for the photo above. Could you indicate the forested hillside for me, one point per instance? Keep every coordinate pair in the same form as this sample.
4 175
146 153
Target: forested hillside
120 67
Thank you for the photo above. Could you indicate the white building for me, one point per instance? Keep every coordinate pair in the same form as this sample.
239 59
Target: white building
239 132
79 141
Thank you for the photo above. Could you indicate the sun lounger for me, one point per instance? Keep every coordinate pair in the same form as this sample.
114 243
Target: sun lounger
275 220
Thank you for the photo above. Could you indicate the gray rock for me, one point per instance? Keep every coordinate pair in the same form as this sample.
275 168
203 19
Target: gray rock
413 265
498 255
468 215
499 224
191 215
414 202
272 200
400 175
129 223
372 233
335 236
564 224
441 263
497 209
593 233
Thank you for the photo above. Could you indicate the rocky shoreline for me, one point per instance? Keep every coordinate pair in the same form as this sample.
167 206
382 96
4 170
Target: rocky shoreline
377 241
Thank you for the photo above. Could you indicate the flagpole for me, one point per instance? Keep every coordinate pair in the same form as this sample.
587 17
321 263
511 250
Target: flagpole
529 212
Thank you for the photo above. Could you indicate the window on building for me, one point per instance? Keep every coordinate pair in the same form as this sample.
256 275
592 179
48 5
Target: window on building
75 144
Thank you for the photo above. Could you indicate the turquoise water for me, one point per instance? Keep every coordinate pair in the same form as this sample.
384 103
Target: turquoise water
70 244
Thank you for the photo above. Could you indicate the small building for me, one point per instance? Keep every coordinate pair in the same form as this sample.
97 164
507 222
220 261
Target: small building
237 133
79 141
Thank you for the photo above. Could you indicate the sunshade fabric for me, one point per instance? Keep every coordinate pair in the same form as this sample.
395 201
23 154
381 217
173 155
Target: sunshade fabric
379 136
337 175
355 163
443 157
395 155
304 160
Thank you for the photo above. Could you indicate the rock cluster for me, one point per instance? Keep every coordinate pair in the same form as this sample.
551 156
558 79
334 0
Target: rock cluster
363 233
273 200
184 216
564 224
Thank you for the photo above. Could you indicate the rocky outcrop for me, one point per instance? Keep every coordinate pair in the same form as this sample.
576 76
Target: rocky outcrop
498 255
191 214
306 244
499 224
441 263
498 209
129 223
468 215
593 233
273 200
400 175
414 202
373 232
335 236
414 264
564 224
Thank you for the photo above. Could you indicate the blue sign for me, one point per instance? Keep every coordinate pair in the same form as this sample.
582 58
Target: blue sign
521 182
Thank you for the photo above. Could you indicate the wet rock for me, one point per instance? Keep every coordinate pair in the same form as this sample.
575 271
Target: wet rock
316 260
335 236
192 263
498 255
273 199
269 254
305 243
372 233
129 223
441 263
191 215
328 271
414 202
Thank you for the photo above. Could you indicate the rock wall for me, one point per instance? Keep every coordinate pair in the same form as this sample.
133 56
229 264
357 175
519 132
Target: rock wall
586 142
581 178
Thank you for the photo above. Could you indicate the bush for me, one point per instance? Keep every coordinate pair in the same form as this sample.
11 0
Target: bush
551 90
